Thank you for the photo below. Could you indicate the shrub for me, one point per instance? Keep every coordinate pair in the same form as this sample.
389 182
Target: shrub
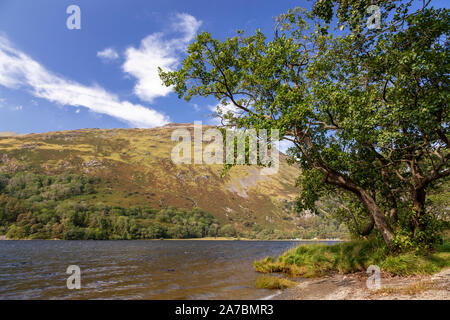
227 230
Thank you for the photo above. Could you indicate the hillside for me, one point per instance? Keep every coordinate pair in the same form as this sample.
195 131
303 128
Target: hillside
57 182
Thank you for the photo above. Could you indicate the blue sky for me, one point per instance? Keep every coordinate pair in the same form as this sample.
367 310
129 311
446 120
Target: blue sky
103 76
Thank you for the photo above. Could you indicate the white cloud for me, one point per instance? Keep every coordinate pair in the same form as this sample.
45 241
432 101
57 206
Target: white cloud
19 71
284 145
158 50
17 108
109 54
187 24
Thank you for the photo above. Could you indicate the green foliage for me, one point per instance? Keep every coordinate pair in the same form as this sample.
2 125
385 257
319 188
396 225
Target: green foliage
36 206
48 207
425 238
367 109
228 231
318 260
36 188
265 282
409 263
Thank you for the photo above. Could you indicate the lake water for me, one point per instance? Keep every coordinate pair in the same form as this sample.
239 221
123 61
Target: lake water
135 269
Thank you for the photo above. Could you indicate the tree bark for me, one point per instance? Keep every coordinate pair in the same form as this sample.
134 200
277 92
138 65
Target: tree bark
377 214
335 178
368 229
419 206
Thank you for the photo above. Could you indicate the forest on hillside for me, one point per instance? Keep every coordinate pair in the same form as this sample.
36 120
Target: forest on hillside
38 206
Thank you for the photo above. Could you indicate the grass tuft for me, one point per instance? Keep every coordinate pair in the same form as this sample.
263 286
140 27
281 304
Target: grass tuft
265 282
412 289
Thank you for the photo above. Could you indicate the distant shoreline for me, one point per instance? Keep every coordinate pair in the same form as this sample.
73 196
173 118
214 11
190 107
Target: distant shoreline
246 239
4 238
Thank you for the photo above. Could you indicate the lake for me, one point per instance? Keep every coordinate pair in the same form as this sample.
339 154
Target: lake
184 269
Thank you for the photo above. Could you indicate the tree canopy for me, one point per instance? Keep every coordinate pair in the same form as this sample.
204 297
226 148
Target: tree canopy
366 109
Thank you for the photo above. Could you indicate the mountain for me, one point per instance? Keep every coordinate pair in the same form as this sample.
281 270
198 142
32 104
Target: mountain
8 134
61 172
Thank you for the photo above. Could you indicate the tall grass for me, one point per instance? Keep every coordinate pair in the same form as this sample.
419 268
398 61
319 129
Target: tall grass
266 282
317 260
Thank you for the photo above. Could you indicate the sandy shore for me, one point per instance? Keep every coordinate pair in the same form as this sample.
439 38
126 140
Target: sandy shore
353 287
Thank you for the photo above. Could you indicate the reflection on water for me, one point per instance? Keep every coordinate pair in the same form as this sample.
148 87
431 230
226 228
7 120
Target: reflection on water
135 269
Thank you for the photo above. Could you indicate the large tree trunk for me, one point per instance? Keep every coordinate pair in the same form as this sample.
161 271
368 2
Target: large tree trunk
419 206
378 216
335 178
368 228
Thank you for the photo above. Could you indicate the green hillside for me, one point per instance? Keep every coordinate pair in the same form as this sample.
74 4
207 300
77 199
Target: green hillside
122 184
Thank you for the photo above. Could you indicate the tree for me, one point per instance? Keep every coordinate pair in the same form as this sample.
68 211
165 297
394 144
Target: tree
228 230
367 110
